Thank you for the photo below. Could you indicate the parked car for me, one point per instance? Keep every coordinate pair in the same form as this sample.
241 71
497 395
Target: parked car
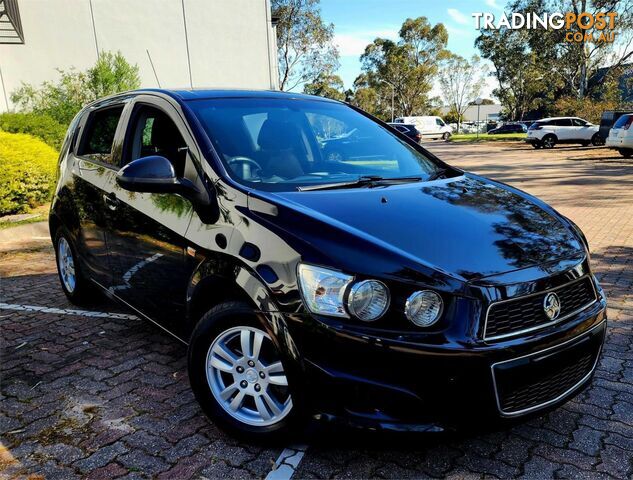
508 128
608 119
409 130
429 126
621 136
546 133
397 293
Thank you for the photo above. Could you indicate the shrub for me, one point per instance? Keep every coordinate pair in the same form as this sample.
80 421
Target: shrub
61 100
40 126
27 172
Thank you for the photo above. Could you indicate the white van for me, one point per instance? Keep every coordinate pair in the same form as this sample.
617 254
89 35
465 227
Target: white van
429 127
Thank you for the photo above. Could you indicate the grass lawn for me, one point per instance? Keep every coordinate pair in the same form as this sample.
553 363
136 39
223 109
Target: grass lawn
484 137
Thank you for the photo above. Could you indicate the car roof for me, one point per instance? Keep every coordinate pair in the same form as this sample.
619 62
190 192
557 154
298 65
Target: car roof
556 118
184 94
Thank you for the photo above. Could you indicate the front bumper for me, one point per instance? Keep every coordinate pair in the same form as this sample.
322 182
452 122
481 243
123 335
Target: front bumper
385 384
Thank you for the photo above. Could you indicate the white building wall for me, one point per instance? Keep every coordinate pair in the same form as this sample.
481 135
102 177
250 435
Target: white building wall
231 42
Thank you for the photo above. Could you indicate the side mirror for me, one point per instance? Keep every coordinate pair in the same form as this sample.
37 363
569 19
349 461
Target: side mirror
155 174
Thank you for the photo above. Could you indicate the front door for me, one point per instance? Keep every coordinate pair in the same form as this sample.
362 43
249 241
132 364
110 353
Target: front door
146 236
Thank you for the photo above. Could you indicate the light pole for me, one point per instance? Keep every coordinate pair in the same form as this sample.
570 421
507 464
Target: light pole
393 95
478 102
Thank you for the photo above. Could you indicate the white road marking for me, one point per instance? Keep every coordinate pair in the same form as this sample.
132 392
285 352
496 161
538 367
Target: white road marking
66 311
287 463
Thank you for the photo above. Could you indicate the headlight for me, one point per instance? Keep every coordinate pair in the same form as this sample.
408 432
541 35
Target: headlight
368 300
323 289
423 308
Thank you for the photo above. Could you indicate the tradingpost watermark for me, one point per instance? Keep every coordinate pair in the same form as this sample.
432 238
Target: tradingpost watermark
581 27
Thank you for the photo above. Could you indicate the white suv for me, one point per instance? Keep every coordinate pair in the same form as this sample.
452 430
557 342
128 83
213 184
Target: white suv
548 132
621 136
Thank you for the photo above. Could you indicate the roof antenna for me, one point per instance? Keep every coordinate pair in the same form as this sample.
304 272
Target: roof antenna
153 69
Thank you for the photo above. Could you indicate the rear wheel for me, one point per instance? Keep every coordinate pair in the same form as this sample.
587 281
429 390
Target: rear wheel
238 376
75 284
626 152
536 145
549 141
597 140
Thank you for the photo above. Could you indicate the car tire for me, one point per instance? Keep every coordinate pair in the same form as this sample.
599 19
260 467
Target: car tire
585 144
76 285
537 145
626 152
549 141
236 389
597 140
446 136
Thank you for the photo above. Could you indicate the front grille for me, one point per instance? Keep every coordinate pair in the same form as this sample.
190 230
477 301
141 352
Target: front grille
511 317
550 387
531 382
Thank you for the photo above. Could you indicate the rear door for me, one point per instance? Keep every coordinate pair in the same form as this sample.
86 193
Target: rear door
95 156
563 129
146 240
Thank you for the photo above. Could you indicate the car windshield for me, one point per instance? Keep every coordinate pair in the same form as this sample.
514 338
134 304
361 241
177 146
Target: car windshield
283 144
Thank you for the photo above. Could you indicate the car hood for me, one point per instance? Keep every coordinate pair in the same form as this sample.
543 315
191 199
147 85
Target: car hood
466 226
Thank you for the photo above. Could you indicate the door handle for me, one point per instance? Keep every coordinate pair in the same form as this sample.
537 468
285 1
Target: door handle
111 201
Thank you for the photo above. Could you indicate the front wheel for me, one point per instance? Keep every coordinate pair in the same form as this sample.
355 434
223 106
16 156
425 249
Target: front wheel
446 136
626 153
238 375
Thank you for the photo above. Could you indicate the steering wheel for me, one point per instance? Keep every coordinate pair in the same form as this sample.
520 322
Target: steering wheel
237 164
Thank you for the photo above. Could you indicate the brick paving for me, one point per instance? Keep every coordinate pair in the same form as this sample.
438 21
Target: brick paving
109 397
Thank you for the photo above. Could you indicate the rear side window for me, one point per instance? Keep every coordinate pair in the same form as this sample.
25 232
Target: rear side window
99 135
622 121
562 122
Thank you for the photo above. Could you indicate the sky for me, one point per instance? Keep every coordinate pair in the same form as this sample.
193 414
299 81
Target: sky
358 22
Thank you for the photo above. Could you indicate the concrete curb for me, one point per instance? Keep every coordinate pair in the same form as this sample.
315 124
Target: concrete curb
23 237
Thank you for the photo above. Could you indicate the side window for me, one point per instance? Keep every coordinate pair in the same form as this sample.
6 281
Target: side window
152 132
99 134
439 122
563 122
578 122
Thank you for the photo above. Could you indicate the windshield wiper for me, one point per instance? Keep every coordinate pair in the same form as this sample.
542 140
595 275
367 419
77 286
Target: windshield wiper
363 181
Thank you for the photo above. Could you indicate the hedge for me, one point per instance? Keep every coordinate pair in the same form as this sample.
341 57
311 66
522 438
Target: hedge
40 126
27 172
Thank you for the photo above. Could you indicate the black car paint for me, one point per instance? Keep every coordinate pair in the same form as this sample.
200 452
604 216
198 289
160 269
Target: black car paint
473 240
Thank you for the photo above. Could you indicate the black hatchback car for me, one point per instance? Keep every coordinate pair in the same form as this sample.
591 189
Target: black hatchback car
391 291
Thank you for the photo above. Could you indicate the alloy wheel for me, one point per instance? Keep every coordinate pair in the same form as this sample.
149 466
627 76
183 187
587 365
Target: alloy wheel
247 378
66 264
548 142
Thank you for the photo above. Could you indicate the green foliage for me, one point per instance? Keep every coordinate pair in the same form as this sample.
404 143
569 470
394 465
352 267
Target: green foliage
27 172
461 81
583 107
326 85
304 42
451 116
406 68
538 67
62 100
41 126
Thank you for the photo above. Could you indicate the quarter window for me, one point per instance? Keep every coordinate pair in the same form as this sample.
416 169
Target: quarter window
99 136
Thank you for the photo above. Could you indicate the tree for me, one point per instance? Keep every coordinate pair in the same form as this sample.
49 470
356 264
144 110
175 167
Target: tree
536 68
524 83
461 82
326 85
304 42
406 68
62 100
